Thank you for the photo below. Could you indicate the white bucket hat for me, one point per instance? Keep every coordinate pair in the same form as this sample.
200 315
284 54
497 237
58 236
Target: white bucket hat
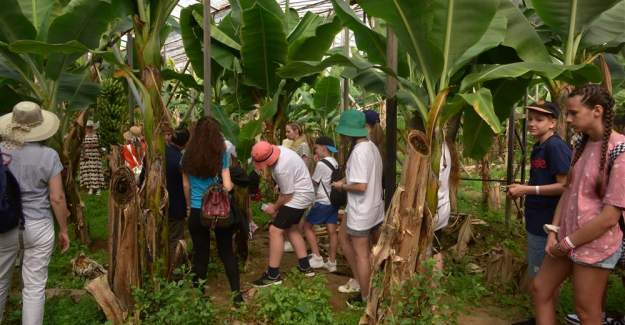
28 123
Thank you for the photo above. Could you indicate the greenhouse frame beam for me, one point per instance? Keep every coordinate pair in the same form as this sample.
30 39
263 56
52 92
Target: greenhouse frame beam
390 167
207 57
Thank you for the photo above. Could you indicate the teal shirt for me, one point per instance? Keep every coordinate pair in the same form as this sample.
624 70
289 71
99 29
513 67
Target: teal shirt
200 185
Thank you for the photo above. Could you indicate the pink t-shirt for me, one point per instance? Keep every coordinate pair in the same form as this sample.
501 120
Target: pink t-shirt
581 203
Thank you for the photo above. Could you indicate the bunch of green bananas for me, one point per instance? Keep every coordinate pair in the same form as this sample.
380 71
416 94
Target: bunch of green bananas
111 112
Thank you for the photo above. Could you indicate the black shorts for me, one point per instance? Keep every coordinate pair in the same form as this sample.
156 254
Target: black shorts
287 217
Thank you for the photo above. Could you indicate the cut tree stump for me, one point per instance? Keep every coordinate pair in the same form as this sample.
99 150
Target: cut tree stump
111 306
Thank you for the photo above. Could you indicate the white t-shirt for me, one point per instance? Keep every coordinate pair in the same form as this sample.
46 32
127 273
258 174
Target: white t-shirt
366 209
323 177
444 204
292 177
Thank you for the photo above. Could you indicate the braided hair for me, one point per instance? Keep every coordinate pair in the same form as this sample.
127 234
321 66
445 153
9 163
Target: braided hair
592 95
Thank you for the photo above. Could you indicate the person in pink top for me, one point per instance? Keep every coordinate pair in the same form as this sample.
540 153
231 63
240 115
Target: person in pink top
587 245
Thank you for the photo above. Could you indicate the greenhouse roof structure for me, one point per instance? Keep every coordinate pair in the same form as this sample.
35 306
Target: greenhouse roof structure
174 49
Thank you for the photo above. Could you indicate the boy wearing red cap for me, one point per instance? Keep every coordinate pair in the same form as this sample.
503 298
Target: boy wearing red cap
296 195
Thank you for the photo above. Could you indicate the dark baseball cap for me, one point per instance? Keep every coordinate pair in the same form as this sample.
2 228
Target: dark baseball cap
548 108
325 141
371 116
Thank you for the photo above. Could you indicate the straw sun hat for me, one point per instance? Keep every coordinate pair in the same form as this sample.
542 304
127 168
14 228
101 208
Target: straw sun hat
28 123
133 133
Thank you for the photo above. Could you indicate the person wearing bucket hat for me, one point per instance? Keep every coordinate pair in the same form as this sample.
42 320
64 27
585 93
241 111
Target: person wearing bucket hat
91 172
323 212
296 195
37 169
365 207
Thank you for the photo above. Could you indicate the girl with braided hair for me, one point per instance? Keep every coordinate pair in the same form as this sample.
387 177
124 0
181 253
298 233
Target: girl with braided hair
587 244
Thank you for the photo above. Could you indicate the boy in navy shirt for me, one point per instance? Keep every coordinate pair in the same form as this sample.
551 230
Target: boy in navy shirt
550 161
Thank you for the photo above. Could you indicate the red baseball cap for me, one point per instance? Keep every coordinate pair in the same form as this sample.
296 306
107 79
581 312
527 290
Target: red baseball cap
265 154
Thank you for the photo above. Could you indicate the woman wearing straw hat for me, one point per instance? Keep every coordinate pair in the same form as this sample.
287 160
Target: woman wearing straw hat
91 174
37 168
365 208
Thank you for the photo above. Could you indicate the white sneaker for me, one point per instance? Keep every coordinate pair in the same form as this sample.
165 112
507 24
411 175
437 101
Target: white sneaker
288 248
574 320
316 261
330 266
351 286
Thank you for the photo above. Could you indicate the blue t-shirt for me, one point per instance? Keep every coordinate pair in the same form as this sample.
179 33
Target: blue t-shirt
550 158
177 204
200 185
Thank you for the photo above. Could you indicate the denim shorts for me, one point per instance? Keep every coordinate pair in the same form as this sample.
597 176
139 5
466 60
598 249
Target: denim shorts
609 263
362 233
535 253
323 214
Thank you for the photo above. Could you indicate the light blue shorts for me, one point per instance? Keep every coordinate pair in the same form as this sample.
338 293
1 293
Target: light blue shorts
608 264
535 253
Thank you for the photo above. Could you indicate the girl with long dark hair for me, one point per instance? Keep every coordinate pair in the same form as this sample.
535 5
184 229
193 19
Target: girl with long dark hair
206 163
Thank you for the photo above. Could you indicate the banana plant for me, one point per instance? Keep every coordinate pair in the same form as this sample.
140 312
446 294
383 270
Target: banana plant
442 39
250 47
42 58
150 26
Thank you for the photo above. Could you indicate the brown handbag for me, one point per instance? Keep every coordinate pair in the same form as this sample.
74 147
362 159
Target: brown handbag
216 208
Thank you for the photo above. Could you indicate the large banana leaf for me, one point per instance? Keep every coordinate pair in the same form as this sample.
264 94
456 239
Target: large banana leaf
305 27
436 33
521 35
367 39
301 69
41 13
263 47
482 103
478 137
83 21
77 90
216 33
186 79
45 49
574 74
314 47
191 33
608 28
494 36
14 25
327 94
571 15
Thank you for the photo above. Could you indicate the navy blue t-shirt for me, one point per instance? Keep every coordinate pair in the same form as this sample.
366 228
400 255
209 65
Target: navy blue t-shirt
550 158
177 204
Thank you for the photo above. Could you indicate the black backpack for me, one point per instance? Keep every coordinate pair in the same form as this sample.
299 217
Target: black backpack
337 198
11 214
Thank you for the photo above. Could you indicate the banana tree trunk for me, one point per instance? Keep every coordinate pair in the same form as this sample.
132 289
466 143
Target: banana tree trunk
153 192
453 127
123 225
70 155
406 232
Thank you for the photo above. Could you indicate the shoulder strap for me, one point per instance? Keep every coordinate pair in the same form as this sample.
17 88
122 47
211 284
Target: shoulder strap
618 149
329 164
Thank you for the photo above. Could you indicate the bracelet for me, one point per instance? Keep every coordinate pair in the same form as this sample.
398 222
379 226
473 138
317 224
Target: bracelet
568 244
537 189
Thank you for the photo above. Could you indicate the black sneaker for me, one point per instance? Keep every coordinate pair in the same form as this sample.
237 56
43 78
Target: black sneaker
356 302
267 281
309 272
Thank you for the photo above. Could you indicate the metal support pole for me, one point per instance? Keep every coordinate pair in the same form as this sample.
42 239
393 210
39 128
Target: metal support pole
130 44
391 120
208 98
510 163
524 146
345 96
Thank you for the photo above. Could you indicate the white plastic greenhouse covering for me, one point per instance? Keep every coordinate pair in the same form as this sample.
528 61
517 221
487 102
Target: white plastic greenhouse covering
219 8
